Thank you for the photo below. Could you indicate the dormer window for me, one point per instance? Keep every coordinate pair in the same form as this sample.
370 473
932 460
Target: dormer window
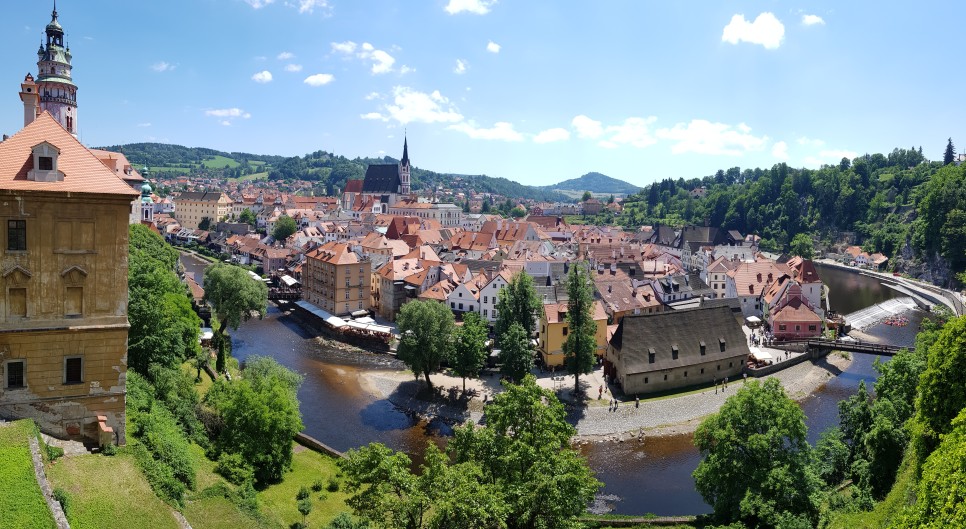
45 164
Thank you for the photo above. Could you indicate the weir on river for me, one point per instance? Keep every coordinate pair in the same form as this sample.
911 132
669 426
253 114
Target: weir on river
869 316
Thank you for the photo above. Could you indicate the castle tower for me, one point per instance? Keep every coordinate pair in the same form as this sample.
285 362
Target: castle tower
404 169
147 204
30 98
58 93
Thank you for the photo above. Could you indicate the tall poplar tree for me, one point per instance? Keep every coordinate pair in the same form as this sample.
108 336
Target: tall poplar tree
517 303
581 341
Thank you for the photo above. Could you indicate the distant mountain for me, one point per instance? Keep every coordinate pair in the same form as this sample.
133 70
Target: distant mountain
596 183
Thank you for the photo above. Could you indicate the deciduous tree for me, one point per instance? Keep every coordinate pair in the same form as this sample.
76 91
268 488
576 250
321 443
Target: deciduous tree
802 245
516 356
517 303
469 348
755 459
426 329
234 296
284 227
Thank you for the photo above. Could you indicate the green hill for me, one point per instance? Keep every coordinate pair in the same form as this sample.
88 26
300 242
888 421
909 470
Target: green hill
596 183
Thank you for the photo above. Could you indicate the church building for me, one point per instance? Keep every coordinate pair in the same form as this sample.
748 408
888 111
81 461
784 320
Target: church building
382 187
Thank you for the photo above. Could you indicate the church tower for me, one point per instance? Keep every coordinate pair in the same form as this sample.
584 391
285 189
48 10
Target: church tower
58 93
404 170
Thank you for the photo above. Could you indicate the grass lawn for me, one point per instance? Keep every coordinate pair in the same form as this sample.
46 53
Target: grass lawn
278 502
220 162
212 511
21 502
108 492
250 177
206 382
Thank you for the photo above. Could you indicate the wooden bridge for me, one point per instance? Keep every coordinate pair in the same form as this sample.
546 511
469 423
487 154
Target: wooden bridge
843 345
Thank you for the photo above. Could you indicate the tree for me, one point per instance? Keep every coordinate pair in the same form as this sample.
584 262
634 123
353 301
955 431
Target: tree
518 212
830 458
855 417
517 303
284 227
516 357
610 199
802 245
257 416
233 296
524 452
949 156
942 386
941 494
580 348
469 348
205 224
305 508
248 217
426 329
587 196
344 520
755 459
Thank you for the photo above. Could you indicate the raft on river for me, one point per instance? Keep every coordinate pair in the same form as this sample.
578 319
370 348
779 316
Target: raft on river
363 332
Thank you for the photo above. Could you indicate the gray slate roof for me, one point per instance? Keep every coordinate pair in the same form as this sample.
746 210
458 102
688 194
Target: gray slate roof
637 336
382 178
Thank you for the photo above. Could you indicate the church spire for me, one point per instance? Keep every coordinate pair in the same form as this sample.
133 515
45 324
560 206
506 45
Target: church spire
404 188
405 158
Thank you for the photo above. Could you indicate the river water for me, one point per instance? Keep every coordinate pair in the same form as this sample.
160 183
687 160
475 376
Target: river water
650 477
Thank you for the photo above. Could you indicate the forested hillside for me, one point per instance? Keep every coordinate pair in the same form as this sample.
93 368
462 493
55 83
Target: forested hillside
897 204
597 183
194 161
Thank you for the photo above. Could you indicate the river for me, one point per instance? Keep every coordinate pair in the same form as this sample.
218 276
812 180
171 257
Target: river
650 477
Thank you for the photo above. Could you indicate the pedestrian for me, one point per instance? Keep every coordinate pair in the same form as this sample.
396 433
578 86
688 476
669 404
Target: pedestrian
746 377
726 383
637 402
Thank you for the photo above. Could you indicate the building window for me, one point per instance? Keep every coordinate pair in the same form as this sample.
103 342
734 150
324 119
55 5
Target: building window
811 328
452 305
16 235
674 352
685 374
485 299
461 306
17 302
73 370
665 377
15 374
650 356
702 370
729 364
722 344
565 331
703 348
346 294
781 327
46 163
645 380
484 312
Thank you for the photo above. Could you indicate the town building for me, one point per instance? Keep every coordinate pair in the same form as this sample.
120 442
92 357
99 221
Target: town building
192 207
336 279
384 184
676 349
63 308
554 330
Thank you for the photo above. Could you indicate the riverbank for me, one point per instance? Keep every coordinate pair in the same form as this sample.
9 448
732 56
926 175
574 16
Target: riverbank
596 420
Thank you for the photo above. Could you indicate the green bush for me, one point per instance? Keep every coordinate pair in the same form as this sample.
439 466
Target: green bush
333 485
109 450
159 475
160 434
302 493
317 486
234 468
53 452
63 497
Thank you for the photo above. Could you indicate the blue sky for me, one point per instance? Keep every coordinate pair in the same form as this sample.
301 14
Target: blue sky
537 91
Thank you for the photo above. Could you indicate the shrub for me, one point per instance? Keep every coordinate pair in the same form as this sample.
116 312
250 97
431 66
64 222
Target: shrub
333 485
109 450
317 486
234 468
159 433
302 494
63 497
160 476
53 452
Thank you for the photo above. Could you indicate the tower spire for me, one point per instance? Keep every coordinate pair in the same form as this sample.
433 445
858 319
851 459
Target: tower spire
405 157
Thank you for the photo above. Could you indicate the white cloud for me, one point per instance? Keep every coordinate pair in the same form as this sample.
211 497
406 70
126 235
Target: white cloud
765 30
460 67
552 135
144 125
293 67
403 70
372 95
226 115
262 77
285 56
319 79
163 66
492 47
410 106
381 60
374 115
703 137
478 7
258 4
829 157
309 6
812 20
780 150
632 132
344 47
501 131
812 142
586 127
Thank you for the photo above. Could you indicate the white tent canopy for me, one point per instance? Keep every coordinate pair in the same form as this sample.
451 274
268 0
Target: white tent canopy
762 356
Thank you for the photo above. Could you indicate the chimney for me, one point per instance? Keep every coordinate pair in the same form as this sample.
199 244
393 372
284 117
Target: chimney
609 287
613 254
759 277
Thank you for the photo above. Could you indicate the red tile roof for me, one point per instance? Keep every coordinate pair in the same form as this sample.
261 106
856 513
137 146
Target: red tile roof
83 172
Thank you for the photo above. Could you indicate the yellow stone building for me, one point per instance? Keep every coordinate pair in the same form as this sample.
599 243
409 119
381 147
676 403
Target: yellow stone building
554 329
190 208
336 279
63 303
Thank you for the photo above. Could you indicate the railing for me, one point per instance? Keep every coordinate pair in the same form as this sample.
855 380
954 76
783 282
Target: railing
839 345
